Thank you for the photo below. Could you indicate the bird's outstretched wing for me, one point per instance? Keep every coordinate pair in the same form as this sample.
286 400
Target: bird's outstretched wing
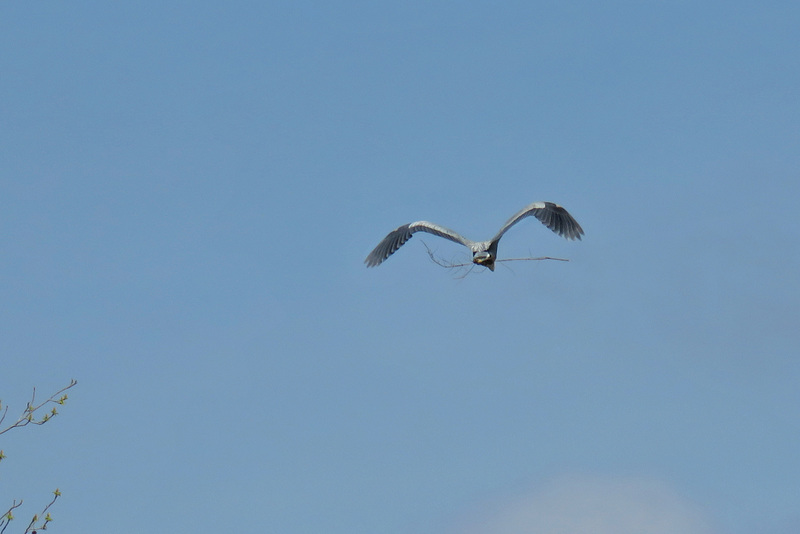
551 215
400 235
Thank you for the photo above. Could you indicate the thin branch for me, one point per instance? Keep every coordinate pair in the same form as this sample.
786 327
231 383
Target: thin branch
26 418
441 262
32 525
8 516
540 258
450 265
31 408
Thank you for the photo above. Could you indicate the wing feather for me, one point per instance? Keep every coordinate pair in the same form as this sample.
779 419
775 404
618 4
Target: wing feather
551 215
397 238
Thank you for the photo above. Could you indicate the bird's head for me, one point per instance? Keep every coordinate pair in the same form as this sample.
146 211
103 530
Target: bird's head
485 258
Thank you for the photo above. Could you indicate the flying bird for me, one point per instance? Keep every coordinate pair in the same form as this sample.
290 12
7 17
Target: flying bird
484 253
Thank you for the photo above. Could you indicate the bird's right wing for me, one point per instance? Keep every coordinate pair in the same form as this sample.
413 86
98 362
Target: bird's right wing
549 214
400 235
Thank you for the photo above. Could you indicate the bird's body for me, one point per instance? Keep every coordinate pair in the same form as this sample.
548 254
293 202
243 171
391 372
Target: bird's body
484 253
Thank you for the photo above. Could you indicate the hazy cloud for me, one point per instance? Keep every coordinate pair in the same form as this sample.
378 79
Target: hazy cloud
583 505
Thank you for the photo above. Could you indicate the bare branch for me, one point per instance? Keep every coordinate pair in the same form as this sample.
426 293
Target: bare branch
441 262
450 265
540 258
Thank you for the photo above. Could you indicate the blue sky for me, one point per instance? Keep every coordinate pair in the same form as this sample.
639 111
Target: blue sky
189 190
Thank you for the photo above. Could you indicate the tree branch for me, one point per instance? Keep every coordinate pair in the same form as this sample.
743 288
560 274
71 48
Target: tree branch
9 515
27 416
32 525
450 265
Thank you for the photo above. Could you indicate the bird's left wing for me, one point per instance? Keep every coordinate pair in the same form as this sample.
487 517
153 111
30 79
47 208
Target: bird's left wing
551 215
400 235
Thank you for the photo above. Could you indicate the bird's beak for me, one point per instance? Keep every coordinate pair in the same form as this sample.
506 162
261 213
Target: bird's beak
485 259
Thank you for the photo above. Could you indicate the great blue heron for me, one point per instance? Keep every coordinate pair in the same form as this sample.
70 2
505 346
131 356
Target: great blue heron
484 253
